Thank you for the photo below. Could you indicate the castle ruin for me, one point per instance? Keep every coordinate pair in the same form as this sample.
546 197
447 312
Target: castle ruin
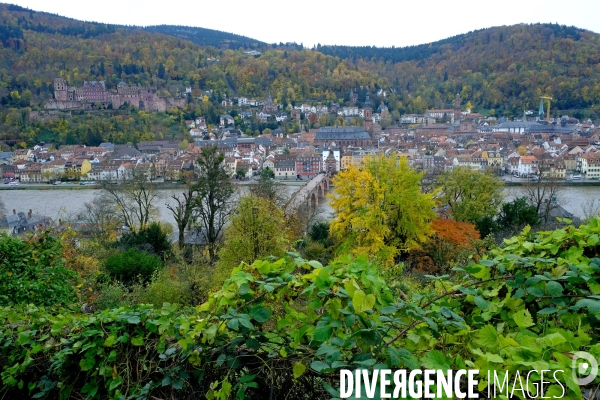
93 95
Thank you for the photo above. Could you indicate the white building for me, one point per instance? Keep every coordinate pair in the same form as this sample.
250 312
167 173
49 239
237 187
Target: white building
528 165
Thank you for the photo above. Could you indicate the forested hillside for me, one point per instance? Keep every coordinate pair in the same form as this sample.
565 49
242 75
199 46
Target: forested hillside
502 68
207 37
501 71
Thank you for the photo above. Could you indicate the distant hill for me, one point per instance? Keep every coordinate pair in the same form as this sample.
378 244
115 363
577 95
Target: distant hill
454 43
500 71
51 23
207 37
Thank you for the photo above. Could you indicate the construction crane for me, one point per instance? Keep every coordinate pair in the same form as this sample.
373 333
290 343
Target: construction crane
541 106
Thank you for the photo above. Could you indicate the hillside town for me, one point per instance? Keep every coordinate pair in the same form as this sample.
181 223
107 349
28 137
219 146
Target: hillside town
435 141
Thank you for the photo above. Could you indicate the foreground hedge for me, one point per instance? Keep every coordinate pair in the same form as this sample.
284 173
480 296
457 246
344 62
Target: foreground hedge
283 328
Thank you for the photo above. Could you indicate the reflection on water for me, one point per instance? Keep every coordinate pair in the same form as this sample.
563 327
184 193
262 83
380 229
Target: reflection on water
69 203
572 198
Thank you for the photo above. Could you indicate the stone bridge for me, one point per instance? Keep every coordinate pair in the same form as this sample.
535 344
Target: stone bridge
310 193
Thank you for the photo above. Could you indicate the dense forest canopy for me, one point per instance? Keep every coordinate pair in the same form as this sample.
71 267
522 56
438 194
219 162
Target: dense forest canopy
207 37
501 71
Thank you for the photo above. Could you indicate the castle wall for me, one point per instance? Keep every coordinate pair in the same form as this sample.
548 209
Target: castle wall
94 95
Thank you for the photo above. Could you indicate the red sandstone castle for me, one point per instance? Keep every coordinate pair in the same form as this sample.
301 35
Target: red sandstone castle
94 96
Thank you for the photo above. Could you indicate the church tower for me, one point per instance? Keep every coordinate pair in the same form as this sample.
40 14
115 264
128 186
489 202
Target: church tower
368 116
457 113
541 113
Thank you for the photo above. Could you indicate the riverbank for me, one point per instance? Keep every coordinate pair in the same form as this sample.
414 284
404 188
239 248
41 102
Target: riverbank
159 185
559 183
76 186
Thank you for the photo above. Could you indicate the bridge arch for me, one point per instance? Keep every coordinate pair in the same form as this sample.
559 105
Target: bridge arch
320 190
313 199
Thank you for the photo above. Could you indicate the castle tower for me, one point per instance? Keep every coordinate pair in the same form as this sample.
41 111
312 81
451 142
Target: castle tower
457 113
60 89
368 114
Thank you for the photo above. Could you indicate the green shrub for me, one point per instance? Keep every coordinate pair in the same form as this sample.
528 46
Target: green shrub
111 296
131 264
166 287
152 240
33 271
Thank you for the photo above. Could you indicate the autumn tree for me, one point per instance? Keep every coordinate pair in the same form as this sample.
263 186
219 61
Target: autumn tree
380 210
214 198
469 195
135 201
450 243
183 208
544 190
100 218
257 229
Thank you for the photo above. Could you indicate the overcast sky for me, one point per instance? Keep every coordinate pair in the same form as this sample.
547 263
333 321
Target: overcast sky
377 23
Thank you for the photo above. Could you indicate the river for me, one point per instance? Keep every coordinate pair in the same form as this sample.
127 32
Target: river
67 204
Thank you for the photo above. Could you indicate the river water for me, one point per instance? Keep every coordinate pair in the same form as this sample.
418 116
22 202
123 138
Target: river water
68 204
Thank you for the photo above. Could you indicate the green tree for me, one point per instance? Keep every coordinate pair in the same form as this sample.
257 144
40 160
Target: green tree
131 265
33 271
517 214
380 209
469 194
214 201
257 229
151 239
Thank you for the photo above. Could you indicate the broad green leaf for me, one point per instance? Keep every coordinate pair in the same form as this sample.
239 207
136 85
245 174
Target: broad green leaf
554 339
246 323
362 302
260 314
319 366
481 302
523 318
488 337
351 287
494 358
298 369
114 383
435 359
87 363
591 305
247 378
322 333
534 291
233 324
244 288
137 341
177 384
110 340
554 289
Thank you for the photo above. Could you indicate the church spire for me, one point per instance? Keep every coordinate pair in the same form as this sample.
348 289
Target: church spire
541 111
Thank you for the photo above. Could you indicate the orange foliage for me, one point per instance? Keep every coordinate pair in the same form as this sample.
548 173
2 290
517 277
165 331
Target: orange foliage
457 233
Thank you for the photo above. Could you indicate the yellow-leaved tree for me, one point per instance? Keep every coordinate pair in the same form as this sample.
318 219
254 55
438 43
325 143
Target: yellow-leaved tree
380 210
